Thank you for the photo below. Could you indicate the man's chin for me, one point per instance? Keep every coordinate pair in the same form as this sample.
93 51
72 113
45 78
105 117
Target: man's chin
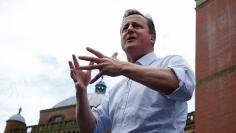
130 43
129 46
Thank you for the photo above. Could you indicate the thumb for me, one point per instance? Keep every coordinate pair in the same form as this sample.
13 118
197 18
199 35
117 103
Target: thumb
115 55
90 64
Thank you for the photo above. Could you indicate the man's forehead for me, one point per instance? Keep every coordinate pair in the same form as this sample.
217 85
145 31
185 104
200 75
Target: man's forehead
133 18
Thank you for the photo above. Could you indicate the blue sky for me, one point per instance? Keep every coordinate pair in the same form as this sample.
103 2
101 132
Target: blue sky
37 39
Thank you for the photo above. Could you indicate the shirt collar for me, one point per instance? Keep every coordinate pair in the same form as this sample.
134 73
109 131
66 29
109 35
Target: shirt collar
147 59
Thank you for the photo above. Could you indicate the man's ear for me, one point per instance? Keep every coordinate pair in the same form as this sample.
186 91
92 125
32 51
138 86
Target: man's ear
153 39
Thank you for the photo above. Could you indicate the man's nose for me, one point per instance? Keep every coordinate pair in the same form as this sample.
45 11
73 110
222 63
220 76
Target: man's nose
130 28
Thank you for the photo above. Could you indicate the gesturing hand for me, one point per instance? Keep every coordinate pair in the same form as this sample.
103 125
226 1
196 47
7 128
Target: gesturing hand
107 65
81 78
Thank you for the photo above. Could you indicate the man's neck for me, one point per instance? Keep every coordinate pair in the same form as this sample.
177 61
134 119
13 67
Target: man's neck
134 59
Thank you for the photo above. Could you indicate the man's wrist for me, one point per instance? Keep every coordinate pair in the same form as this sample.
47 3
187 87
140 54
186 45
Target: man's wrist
81 94
124 69
80 90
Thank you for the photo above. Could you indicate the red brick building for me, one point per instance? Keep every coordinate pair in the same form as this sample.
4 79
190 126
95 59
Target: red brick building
58 119
15 122
215 66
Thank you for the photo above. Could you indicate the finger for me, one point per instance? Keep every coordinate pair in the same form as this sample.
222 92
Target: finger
91 59
90 67
90 64
71 65
115 55
72 75
71 69
96 78
76 63
95 52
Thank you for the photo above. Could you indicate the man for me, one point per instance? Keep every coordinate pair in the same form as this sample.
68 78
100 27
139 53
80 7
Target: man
151 99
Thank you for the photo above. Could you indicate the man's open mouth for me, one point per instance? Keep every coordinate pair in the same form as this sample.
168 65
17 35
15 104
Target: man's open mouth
131 38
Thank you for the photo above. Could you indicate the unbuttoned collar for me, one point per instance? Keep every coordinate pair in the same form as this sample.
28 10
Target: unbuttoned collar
147 59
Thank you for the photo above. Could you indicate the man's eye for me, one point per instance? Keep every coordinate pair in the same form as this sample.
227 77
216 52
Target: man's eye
125 28
137 26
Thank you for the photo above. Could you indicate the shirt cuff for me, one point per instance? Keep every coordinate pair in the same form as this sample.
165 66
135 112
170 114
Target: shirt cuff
97 129
183 92
102 120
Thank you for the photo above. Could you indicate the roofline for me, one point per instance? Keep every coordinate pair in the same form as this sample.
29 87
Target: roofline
16 121
57 108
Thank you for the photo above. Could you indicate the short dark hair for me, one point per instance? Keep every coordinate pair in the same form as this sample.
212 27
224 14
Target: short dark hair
150 22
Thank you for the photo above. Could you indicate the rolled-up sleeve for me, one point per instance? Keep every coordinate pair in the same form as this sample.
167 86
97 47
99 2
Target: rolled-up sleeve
186 79
101 114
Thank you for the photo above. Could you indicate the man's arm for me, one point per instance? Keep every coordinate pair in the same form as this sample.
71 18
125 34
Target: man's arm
159 79
84 116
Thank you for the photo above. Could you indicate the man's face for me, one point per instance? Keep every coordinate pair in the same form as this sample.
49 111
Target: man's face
135 36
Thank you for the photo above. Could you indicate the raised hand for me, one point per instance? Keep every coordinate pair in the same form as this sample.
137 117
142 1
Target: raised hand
107 65
80 78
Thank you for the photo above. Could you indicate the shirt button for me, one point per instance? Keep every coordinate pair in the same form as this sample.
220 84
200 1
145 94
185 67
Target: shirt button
123 106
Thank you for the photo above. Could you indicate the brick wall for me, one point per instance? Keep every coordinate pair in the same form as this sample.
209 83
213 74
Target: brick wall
68 112
215 37
11 125
216 66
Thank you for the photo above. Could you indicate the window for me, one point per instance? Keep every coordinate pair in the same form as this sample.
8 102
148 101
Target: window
56 119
